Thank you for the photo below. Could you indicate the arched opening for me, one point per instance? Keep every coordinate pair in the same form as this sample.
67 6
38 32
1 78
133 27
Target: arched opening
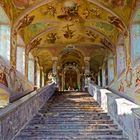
71 79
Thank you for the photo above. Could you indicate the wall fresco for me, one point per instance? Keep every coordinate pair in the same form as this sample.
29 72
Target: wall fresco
11 82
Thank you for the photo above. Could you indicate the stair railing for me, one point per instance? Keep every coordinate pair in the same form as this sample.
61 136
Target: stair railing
122 109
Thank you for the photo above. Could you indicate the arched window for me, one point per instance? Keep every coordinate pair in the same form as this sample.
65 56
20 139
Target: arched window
43 76
135 38
5 31
38 76
20 58
31 66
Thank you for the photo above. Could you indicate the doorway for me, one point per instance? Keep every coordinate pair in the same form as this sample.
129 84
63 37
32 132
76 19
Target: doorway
71 80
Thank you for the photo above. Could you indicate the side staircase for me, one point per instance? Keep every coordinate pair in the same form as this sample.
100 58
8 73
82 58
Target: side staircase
71 116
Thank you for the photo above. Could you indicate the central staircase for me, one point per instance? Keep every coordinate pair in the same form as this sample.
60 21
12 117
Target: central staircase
71 116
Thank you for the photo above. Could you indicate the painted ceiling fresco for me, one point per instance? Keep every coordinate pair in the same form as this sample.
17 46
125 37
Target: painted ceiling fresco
47 25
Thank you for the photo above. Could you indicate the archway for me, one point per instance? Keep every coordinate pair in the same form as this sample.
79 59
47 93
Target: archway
71 79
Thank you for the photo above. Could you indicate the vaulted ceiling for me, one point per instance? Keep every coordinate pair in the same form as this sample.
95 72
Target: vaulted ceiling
49 26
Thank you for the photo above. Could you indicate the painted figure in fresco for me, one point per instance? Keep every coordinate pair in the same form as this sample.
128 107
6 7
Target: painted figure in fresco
68 33
51 37
69 11
12 76
116 22
18 86
25 21
92 35
116 3
94 11
3 79
106 43
138 77
121 87
35 43
129 75
51 10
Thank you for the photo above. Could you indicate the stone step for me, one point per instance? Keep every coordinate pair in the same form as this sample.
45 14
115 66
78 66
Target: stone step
72 122
75 109
72 106
103 137
72 126
71 116
71 132
75 118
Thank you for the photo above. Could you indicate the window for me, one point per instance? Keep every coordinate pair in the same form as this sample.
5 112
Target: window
43 79
5 42
20 60
31 68
38 76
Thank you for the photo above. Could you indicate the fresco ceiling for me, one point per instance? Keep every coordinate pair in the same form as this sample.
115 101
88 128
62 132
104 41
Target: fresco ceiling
48 26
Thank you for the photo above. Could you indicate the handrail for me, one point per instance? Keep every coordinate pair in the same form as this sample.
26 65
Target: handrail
18 96
23 99
121 94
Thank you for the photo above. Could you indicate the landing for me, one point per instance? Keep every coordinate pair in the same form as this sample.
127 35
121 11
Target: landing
71 116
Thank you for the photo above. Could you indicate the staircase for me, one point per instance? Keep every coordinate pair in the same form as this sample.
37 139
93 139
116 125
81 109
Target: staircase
71 116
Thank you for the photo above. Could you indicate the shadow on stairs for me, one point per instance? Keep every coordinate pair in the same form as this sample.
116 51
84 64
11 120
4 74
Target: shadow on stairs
71 116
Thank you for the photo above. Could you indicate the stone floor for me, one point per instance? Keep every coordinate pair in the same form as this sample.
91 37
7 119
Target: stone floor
71 116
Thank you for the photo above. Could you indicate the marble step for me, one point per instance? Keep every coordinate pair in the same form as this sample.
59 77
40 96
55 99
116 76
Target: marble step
71 116
72 126
45 122
68 132
74 108
103 137
76 117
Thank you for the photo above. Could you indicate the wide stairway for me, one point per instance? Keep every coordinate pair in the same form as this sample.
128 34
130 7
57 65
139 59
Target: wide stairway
71 116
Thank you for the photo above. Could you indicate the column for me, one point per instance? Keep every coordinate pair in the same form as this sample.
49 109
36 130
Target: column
26 65
54 69
13 48
41 78
35 72
87 65
87 70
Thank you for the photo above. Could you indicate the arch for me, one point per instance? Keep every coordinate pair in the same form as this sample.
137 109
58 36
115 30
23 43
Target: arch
67 68
43 2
